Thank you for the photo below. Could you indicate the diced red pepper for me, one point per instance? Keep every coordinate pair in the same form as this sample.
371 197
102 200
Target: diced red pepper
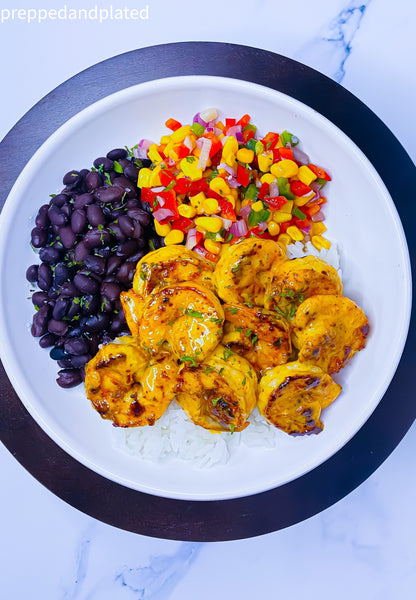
243 175
216 145
245 120
276 155
229 123
182 185
183 224
170 202
147 195
299 188
319 172
182 151
226 209
286 153
285 225
201 185
276 202
166 177
302 223
173 124
263 191
270 140
247 135
216 158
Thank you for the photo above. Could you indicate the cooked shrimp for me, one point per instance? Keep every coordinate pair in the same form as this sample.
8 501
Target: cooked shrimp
257 334
185 318
328 331
170 265
132 304
293 281
219 393
292 396
243 271
124 388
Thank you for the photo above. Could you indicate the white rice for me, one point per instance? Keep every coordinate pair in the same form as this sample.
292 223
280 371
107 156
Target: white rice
175 436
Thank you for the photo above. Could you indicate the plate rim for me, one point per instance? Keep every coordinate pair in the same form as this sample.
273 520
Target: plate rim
183 529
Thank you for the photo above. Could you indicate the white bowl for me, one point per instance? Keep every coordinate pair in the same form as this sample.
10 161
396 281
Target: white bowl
361 217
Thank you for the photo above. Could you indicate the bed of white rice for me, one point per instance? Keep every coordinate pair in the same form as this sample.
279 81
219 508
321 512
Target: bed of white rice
174 436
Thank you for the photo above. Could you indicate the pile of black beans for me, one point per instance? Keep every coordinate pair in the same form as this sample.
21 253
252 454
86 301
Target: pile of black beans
89 238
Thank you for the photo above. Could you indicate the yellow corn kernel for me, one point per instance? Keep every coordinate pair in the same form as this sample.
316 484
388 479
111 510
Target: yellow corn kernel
281 217
197 200
245 155
189 166
210 206
145 177
165 139
257 206
230 146
174 237
274 228
155 178
317 228
305 175
302 200
220 186
219 125
180 134
265 161
185 210
287 207
245 202
268 178
162 229
284 238
320 242
295 233
231 199
212 224
214 247
153 154
234 192
285 168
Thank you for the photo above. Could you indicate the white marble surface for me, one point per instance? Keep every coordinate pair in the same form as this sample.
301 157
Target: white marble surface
362 547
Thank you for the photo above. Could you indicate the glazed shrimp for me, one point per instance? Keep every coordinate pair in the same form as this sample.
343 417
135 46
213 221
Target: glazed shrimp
219 393
124 388
243 272
170 265
292 396
260 335
328 331
293 281
186 319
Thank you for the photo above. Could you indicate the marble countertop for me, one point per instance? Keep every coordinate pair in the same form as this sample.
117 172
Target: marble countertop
361 547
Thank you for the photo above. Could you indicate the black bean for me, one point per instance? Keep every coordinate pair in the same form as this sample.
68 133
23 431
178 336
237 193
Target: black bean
117 154
114 229
109 194
39 237
58 200
137 231
61 274
32 273
39 298
50 255
67 236
127 248
96 323
65 363
58 354
76 346
118 322
93 180
132 172
71 178
40 321
96 237
96 264
126 272
74 309
83 200
91 304
81 251
47 340
69 290
60 309
107 164
42 218
141 243
136 256
56 216
85 283
52 296
126 225
103 252
45 277
57 327
95 215
67 210
126 185
68 378
113 264
139 215
106 305
80 361
78 220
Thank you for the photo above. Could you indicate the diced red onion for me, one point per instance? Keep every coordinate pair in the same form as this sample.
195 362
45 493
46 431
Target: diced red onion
158 189
171 162
191 239
199 142
233 130
197 119
319 216
273 189
245 211
187 142
300 156
204 156
239 228
227 222
315 186
227 168
162 213
262 226
232 182
224 139
140 153
209 114
239 137
145 144
217 131
304 227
